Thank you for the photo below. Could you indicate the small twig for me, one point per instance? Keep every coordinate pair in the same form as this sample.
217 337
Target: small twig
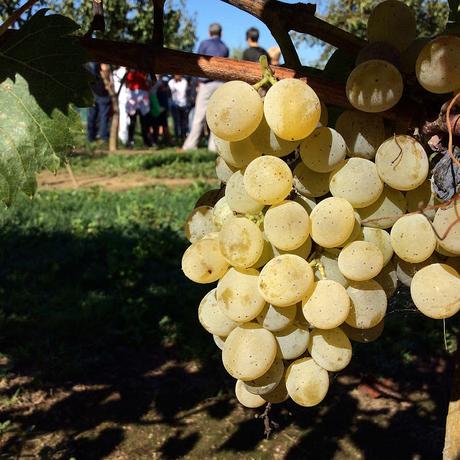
158 23
268 424
400 154
449 129
16 15
267 74
71 174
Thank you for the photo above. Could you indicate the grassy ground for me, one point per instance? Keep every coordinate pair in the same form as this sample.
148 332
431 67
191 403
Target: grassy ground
160 164
103 356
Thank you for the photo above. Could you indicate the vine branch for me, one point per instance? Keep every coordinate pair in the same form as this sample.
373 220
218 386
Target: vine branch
16 15
158 22
155 59
280 17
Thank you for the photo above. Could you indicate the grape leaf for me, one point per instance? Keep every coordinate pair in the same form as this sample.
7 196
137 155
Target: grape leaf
41 74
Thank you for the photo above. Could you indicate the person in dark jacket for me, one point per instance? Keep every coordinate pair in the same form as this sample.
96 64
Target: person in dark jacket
254 51
99 114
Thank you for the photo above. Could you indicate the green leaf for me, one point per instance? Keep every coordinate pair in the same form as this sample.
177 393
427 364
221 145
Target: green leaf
45 54
41 74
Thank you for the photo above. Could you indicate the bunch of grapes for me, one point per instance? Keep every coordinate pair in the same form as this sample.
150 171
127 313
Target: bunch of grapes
318 225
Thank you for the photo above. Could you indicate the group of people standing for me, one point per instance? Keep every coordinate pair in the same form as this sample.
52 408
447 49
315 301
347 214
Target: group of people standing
152 98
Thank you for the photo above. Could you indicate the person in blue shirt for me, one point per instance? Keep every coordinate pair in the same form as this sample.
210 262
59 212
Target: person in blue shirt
213 46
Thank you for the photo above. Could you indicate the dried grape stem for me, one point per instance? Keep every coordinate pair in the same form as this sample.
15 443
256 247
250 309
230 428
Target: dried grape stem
449 129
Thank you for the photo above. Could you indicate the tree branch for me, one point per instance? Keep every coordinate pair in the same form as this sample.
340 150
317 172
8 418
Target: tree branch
16 15
163 60
280 16
158 24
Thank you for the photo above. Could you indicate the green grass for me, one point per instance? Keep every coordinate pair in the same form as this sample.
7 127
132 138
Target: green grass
84 270
165 163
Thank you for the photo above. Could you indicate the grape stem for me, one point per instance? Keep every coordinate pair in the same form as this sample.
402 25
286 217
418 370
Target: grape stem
268 78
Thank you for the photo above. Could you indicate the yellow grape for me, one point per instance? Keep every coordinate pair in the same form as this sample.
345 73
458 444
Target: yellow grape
402 162
212 317
447 225
292 341
310 183
199 223
330 349
234 111
323 150
237 197
237 154
269 381
276 318
285 280
381 239
268 180
249 352
203 262
247 399
238 296
435 290
292 109
360 261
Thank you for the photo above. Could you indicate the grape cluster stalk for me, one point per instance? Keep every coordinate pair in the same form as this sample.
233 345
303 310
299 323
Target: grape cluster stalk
318 225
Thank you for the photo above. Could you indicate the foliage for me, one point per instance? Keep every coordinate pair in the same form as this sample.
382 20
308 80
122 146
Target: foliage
352 15
163 164
134 20
37 131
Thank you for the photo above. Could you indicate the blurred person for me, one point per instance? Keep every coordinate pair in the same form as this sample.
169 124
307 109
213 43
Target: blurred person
119 76
99 114
213 46
274 53
138 105
163 94
178 86
254 51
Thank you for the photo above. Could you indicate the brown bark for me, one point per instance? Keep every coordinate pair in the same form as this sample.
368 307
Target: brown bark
452 439
300 17
163 60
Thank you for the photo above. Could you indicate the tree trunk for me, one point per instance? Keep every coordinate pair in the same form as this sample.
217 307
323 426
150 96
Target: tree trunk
113 138
452 440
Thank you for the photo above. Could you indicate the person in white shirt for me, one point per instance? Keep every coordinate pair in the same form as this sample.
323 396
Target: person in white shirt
179 109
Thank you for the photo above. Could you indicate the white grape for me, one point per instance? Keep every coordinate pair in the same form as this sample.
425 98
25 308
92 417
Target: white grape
286 225
323 150
221 213
237 197
306 382
310 183
405 271
327 306
267 142
247 399
363 335
303 250
212 318
268 180
402 162
392 22
276 318
219 341
362 132
413 238
374 86
285 280
435 290
438 65
237 154
381 239
330 349
269 381
241 242
383 213
360 261
223 170
356 180
421 198
238 296
199 223
388 279
447 225
249 351
332 222
292 341
203 262
368 304
292 109
328 261
278 395
234 111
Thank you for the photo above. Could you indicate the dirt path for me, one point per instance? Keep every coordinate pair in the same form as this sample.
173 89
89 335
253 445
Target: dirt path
63 181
